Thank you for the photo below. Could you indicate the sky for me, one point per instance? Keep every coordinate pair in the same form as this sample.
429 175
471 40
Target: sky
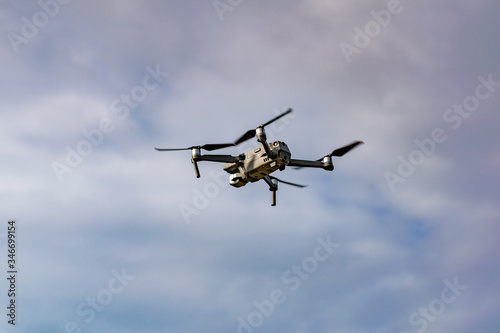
112 236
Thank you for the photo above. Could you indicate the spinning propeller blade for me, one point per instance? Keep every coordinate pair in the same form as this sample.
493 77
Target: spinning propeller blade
341 151
248 135
215 146
208 147
337 152
251 133
276 118
171 149
284 182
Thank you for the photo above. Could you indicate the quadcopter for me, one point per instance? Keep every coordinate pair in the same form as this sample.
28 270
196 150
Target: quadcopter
260 162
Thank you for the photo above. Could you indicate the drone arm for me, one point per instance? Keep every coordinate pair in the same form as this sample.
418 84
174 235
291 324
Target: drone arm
213 158
310 164
262 138
272 186
267 149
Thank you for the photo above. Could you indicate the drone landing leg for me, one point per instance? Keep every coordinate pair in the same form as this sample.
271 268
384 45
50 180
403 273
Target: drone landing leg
196 170
273 187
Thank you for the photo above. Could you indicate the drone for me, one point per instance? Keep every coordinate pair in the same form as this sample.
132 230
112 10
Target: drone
260 162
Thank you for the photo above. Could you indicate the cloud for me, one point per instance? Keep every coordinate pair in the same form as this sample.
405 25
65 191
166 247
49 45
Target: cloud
119 208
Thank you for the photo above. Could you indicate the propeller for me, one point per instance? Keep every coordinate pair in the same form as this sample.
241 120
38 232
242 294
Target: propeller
214 146
341 151
327 159
208 147
273 186
284 182
251 133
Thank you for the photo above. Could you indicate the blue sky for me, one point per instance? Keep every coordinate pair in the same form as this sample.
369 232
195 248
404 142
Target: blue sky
401 237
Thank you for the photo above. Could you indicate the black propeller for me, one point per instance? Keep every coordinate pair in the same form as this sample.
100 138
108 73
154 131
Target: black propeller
251 133
209 147
273 186
341 151
337 152
214 146
284 182
248 135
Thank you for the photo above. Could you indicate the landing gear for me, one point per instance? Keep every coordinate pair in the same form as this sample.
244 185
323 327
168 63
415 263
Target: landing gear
273 187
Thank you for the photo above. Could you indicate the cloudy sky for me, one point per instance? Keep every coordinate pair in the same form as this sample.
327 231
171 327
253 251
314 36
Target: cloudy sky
113 236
